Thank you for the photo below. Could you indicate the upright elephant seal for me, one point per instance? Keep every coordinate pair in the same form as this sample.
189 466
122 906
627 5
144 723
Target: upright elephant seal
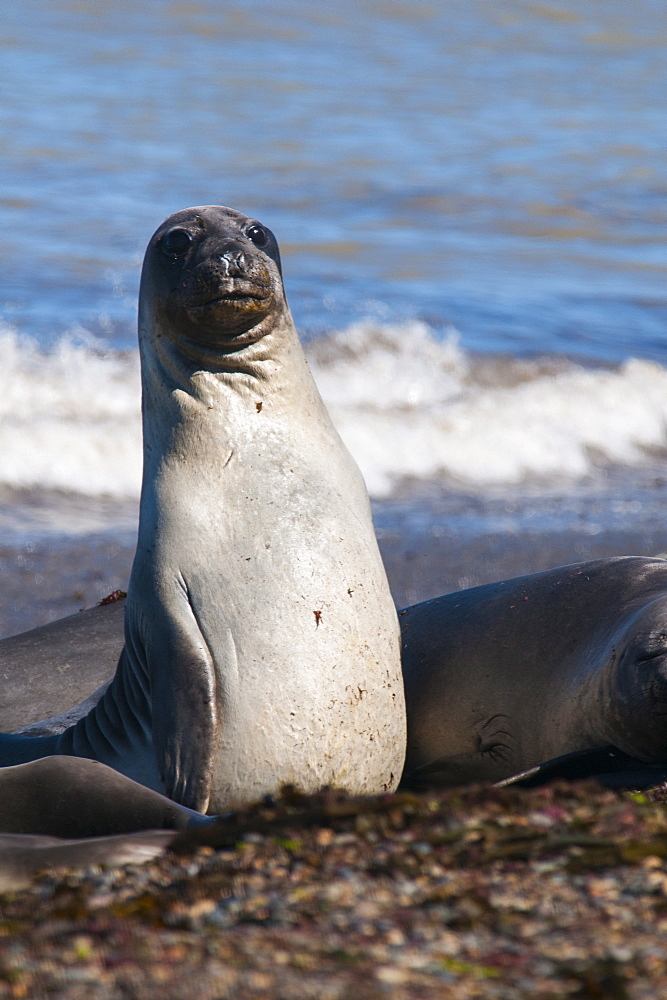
261 640
568 664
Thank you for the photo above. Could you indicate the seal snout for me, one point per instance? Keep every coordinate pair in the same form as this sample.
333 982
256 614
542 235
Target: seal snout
227 274
228 271
233 259
649 657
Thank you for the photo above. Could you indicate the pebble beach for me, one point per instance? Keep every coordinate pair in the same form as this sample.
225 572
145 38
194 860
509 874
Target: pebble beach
515 895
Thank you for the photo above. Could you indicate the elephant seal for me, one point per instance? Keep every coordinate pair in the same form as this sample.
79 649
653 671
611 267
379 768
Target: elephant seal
573 661
22 856
261 640
53 667
70 812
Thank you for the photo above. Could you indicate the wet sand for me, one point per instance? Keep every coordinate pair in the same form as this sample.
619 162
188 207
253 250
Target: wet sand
440 562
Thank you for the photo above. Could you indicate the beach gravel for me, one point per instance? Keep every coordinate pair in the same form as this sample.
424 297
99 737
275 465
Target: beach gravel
478 893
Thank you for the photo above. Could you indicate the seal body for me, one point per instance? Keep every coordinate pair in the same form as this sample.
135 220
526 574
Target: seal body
23 856
71 812
261 640
503 677
550 673
53 667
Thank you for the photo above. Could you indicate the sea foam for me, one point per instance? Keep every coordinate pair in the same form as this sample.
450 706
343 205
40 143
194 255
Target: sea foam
70 417
407 402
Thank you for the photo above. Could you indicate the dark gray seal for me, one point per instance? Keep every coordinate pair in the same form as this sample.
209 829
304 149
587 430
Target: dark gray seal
261 640
73 797
22 856
573 661
54 667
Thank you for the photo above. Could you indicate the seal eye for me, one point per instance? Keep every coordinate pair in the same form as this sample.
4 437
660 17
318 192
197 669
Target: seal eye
258 235
176 241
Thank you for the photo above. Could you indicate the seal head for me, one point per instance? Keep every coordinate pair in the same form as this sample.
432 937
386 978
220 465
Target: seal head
209 283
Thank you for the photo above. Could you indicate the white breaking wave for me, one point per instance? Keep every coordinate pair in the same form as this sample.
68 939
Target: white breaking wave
70 418
406 402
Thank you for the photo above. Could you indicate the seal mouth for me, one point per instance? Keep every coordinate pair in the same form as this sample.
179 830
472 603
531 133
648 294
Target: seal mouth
230 293
226 297
227 312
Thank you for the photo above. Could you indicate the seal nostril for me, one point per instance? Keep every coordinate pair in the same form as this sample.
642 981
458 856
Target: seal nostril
233 260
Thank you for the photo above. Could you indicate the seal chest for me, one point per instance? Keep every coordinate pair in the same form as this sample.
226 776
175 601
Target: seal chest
259 616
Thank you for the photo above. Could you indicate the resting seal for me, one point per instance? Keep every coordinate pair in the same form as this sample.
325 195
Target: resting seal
261 640
22 856
51 668
503 677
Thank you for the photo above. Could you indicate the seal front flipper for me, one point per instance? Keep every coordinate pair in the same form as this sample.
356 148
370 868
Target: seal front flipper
183 697
610 767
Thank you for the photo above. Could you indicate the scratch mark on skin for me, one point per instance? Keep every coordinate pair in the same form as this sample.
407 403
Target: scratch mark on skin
229 458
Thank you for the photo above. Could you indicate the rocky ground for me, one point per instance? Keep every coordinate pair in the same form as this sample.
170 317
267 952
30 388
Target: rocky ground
550 893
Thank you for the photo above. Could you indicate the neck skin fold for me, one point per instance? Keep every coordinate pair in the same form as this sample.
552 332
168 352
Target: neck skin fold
197 400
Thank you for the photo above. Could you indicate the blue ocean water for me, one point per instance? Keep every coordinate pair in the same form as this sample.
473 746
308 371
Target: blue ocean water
470 203
497 166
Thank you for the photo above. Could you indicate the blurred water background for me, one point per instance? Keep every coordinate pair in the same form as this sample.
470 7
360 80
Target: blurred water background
470 200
